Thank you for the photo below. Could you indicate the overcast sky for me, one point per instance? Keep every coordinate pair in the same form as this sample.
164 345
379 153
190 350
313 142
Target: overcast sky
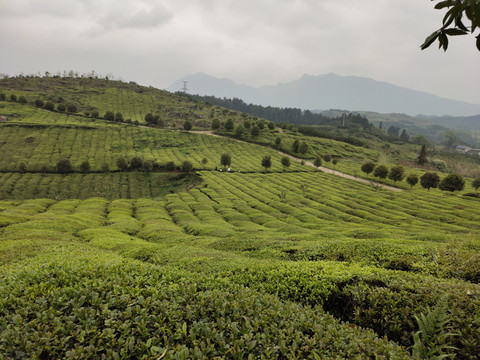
252 42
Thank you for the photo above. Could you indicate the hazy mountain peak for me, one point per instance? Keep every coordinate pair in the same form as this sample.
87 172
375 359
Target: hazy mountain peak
331 91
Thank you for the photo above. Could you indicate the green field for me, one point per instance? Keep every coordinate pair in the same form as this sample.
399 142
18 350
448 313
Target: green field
292 264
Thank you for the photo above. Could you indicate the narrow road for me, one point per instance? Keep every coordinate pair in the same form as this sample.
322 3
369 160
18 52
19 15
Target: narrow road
309 163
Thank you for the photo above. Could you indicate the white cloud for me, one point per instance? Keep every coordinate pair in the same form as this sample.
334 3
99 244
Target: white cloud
255 42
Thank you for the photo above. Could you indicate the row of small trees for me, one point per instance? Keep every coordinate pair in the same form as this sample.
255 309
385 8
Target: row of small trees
429 180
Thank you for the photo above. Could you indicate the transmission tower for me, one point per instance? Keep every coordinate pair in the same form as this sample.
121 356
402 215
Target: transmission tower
184 89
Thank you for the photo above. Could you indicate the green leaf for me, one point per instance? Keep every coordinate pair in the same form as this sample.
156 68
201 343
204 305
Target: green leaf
443 4
455 32
429 40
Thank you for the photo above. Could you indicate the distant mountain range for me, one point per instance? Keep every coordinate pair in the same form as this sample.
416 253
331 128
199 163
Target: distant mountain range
331 91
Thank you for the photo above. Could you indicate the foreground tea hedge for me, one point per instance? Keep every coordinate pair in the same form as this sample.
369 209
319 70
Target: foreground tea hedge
91 304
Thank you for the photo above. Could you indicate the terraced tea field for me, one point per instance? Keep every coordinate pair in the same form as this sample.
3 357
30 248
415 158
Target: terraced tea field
292 264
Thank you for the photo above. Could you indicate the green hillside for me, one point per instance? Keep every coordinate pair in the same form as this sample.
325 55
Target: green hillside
157 262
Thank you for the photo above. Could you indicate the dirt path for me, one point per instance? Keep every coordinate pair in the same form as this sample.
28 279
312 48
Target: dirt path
324 169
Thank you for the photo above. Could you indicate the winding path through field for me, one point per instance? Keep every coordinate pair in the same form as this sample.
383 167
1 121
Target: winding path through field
309 163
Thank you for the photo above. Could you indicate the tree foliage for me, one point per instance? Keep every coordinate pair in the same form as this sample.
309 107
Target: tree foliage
64 166
215 124
476 184
422 156
266 162
317 162
225 159
84 166
429 180
452 182
187 125
412 180
453 23
229 125
295 146
122 164
285 162
368 167
186 167
396 173
381 171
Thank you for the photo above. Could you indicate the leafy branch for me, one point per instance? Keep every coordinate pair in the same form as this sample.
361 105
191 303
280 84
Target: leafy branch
453 22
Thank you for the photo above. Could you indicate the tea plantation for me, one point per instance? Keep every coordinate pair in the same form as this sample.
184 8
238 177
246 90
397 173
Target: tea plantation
154 262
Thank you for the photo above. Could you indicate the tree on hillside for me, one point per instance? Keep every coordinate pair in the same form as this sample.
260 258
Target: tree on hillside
149 118
64 166
247 124
278 141
452 182
94 114
368 167
84 167
453 23
334 162
429 180
204 161
148 166
396 173
285 162
186 167
3 97
412 180
215 124
61 108
266 162
187 125
255 130
22 100
303 148
122 164
170 166
136 163
393 131
229 125
225 160
71 108
327 158
50 106
109 115
317 162
295 146
422 156
22 168
13 97
381 171
271 125
239 131
404 136
118 117
39 103
476 184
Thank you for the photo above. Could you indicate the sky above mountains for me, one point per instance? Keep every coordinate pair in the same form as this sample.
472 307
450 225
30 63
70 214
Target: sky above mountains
254 42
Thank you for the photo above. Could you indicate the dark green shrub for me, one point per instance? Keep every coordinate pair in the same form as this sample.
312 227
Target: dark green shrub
170 166
122 164
22 100
452 182
61 108
136 163
64 166
39 103
118 117
84 166
109 115
186 167
72 108
429 180
13 97
187 125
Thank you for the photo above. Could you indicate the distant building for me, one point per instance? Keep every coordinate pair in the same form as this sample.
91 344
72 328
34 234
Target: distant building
473 152
462 148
